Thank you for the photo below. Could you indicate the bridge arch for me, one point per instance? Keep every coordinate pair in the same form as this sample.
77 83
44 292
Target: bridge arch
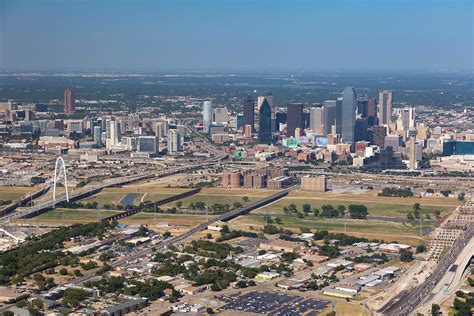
57 172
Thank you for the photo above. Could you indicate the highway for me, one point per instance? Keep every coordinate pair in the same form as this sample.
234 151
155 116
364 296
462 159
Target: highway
408 301
89 190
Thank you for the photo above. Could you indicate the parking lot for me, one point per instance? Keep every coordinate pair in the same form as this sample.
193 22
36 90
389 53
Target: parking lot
275 304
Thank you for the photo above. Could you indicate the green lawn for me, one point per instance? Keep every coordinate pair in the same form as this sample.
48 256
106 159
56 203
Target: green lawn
378 208
368 226
80 215
211 199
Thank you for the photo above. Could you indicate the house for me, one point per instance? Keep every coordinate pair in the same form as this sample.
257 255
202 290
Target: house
315 259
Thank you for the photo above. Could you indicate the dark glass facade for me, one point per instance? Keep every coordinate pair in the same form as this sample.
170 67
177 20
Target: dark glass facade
265 123
249 111
295 118
452 147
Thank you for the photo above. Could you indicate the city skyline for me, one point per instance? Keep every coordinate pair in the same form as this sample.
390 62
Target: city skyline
182 35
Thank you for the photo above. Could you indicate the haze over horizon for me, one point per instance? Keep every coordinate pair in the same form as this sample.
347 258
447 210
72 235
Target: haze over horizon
395 35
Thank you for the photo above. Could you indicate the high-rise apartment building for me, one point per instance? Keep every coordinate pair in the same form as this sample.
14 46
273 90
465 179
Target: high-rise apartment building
232 179
206 116
98 136
69 101
385 107
173 144
314 184
295 118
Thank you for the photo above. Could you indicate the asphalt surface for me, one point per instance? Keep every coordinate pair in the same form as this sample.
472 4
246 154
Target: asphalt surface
407 302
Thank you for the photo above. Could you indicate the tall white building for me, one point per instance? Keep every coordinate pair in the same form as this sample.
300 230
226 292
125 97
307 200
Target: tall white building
113 133
206 116
160 128
173 142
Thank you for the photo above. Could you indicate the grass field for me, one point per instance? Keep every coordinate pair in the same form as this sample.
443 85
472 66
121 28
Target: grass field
14 193
377 205
348 309
371 229
69 215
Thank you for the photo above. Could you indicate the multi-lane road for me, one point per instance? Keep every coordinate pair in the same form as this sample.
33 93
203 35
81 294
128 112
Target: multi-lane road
407 302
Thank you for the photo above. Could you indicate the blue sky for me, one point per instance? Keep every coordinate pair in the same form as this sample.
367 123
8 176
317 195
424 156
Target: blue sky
431 35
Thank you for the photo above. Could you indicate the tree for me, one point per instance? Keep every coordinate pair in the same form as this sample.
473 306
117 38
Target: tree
73 297
435 309
358 211
292 208
420 248
316 212
446 193
210 311
63 271
179 204
37 303
306 208
410 216
416 207
237 205
245 199
341 209
406 256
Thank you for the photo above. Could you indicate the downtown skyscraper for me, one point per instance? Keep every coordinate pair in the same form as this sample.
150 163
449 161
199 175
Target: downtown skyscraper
345 115
69 101
265 123
249 112
295 118
385 107
206 116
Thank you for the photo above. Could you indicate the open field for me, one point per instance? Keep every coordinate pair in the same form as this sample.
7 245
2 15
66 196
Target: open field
14 193
348 309
70 215
377 205
372 229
